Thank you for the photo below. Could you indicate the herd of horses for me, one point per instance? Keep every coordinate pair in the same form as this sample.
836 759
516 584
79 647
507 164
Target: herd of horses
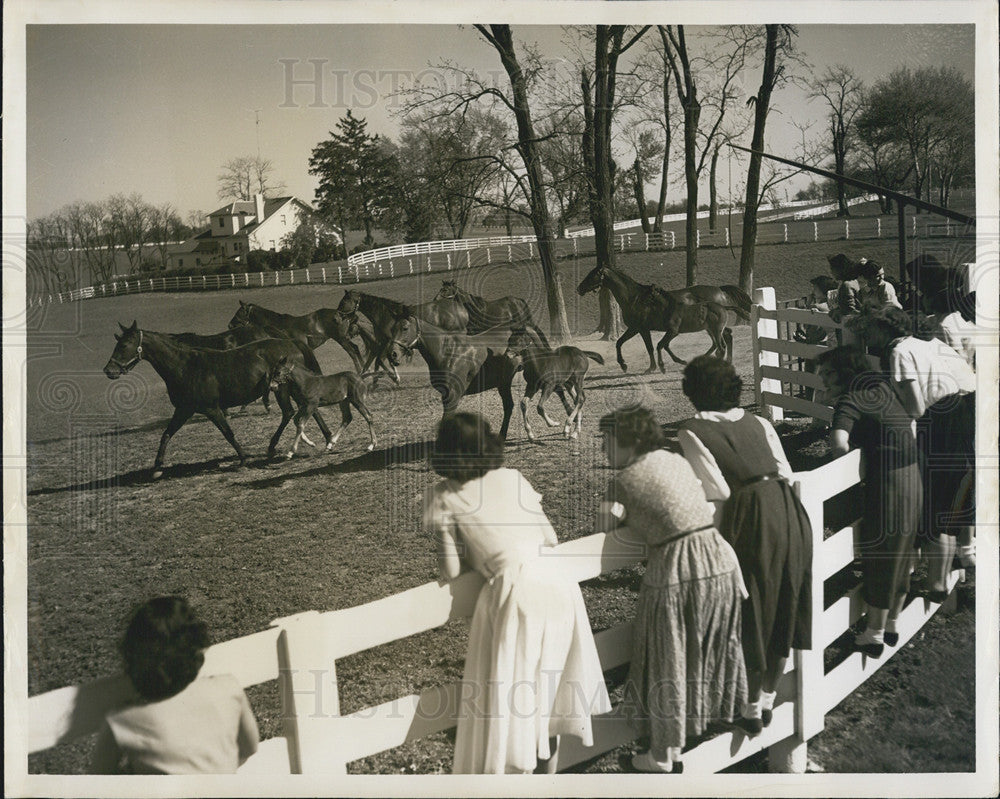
470 345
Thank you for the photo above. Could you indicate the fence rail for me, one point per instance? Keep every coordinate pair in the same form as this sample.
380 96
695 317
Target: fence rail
449 256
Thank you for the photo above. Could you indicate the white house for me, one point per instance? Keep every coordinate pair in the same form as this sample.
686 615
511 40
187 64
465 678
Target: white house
239 227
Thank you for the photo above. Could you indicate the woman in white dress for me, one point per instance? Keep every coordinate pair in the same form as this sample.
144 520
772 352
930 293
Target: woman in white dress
531 672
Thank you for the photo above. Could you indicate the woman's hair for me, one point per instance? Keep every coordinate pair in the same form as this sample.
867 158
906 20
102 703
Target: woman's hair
869 269
162 647
635 427
711 384
824 283
847 363
890 320
466 447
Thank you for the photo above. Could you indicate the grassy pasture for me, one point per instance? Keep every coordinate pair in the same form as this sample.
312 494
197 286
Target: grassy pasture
322 531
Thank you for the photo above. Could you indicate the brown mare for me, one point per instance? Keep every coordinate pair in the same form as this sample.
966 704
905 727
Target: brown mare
561 370
383 313
311 330
208 381
646 308
485 314
310 391
459 364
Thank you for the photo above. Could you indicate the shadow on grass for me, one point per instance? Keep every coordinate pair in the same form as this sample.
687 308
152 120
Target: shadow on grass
375 461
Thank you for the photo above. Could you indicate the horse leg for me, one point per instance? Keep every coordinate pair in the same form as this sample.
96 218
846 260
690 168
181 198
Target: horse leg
561 392
300 435
528 394
217 417
181 415
665 343
345 419
355 353
508 406
285 403
546 393
630 333
647 339
577 414
366 414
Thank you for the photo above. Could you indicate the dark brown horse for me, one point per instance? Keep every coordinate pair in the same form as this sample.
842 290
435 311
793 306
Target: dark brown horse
310 391
646 308
485 314
208 381
383 313
228 340
561 370
459 364
311 329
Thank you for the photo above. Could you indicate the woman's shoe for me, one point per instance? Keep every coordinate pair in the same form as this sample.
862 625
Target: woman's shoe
751 727
891 639
647 765
871 650
765 717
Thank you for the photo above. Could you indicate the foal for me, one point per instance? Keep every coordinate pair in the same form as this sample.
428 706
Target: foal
560 370
311 390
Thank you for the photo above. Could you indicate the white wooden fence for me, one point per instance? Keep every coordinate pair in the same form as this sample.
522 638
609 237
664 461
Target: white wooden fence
301 652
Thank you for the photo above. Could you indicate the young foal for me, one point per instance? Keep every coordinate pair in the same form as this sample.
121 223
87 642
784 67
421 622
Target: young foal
310 391
560 370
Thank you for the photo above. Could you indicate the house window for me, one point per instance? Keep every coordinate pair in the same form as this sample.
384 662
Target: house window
272 245
220 221
180 262
238 246
282 219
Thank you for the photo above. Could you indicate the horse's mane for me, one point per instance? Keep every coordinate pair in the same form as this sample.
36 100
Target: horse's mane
396 308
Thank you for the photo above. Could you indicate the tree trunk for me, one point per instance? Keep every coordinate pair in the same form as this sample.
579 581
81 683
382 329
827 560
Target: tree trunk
640 197
713 203
839 159
503 41
753 172
661 203
692 115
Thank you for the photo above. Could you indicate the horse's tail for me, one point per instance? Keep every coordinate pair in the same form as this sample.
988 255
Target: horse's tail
594 356
739 301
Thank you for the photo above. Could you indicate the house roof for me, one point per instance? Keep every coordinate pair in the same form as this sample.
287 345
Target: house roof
248 207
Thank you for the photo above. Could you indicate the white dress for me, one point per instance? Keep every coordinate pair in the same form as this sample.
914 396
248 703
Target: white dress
532 669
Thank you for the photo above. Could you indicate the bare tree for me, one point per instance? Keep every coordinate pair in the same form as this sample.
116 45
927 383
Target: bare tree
246 175
725 61
778 40
529 175
841 90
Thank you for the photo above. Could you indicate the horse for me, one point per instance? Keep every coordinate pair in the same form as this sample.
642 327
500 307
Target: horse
310 330
227 340
207 381
646 308
485 314
310 391
459 364
383 313
561 370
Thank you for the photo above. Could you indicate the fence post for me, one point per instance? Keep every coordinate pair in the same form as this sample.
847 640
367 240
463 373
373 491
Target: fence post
449 261
531 250
878 227
763 298
785 226
510 257
575 242
291 277
727 237
323 271
697 239
847 229
261 279
468 259
673 240
646 237
489 258
203 281
815 231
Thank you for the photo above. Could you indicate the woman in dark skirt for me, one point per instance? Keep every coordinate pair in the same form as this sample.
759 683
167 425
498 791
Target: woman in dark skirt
937 388
744 471
868 415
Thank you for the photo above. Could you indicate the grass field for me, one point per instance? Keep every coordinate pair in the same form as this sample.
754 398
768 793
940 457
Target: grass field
322 531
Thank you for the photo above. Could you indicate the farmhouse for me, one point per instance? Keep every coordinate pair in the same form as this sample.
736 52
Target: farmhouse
239 227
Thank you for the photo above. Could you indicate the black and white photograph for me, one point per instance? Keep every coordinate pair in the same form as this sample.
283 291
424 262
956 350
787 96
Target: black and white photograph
558 398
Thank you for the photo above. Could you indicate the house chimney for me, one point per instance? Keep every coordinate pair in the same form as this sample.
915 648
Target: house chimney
258 202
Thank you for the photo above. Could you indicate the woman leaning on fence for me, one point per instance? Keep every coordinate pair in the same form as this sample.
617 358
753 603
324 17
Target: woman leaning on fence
937 388
744 471
687 667
868 415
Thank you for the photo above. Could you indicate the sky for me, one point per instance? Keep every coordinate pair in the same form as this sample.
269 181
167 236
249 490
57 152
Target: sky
157 109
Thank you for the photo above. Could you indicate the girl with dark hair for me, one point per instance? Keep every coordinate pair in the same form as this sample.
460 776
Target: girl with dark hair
531 672
687 665
867 414
877 291
938 389
177 722
744 471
